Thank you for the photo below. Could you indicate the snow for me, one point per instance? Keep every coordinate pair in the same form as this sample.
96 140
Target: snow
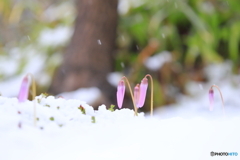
36 63
88 95
9 65
55 37
197 104
157 61
218 72
125 5
11 87
34 57
185 130
115 135
114 77
9 69
58 12
99 42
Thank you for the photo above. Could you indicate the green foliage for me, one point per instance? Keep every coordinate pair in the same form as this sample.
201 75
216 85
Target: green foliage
111 108
93 119
82 109
196 32
44 95
188 28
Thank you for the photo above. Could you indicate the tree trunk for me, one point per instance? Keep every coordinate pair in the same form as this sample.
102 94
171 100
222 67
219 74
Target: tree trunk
89 57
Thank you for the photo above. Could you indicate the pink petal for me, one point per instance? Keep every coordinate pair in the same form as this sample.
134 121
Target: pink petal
136 94
143 91
120 93
23 93
211 99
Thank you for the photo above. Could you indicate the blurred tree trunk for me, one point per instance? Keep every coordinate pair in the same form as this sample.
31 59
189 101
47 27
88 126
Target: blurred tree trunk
89 57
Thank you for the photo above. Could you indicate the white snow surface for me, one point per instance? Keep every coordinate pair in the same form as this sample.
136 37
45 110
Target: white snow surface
55 37
125 5
10 85
57 12
157 61
115 135
88 95
114 78
185 130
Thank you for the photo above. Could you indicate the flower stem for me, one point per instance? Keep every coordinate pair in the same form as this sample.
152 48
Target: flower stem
221 97
135 108
151 111
33 85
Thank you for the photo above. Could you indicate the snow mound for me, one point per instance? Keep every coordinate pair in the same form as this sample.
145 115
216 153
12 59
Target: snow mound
71 129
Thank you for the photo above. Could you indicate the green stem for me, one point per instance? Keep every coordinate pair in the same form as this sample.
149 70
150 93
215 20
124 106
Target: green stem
135 108
151 111
221 98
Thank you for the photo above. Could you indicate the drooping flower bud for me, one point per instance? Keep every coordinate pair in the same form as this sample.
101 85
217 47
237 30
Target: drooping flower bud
136 95
211 98
143 92
23 93
120 93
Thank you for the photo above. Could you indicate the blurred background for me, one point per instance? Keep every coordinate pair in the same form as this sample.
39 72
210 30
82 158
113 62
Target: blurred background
83 44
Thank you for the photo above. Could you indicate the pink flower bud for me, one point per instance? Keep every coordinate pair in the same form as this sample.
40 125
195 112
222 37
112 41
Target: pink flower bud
143 91
211 99
120 93
136 95
23 93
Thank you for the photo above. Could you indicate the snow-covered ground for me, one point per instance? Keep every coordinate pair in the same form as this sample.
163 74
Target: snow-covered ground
64 132
185 130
